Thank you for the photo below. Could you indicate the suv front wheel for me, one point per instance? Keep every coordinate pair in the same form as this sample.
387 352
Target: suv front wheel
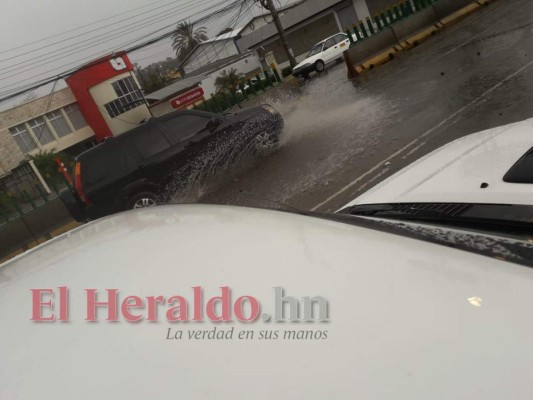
141 200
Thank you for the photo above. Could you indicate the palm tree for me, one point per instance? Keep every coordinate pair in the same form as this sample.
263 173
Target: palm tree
228 81
185 38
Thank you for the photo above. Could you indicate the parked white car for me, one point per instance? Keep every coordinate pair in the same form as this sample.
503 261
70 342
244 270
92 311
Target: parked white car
323 53
482 180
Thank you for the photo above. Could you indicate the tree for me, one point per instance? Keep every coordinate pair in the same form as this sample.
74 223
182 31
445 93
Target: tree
228 80
185 38
45 162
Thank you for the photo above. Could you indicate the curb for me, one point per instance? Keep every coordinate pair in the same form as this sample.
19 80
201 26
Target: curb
462 13
414 40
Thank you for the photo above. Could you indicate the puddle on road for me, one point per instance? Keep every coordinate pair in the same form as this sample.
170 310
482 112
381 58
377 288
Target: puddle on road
328 124
331 107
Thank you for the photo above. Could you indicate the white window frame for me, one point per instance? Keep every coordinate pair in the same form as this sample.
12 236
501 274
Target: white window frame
67 117
126 100
57 115
15 132
38 132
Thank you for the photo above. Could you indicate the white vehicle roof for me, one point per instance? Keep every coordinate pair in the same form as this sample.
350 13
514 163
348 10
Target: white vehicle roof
408 319
455 172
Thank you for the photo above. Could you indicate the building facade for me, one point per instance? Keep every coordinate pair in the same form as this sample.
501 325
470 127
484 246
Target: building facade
50 123
103 98
222 47
305 24
200 84
109 95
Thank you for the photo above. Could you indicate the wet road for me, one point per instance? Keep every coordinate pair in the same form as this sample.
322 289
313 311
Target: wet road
341 138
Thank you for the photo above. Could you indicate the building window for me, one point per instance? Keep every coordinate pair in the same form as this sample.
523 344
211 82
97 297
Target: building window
41 130
75 116
23 138
58 122
129 97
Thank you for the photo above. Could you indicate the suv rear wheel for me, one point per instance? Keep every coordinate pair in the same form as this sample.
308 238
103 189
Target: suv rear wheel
141 200
265 143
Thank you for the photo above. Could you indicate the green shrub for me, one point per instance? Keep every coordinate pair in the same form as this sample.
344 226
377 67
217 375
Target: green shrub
286 71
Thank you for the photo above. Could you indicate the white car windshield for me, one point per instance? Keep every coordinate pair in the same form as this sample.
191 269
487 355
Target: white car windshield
317 48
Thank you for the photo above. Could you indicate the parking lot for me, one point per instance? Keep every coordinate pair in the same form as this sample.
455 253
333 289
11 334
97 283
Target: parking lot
341 137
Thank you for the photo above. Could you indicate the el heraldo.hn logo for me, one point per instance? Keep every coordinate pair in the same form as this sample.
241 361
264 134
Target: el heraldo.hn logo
52 305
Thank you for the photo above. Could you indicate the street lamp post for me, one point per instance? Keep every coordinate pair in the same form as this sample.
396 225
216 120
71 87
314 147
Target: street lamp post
269 5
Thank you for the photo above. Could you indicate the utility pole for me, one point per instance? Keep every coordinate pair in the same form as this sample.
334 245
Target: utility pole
269 5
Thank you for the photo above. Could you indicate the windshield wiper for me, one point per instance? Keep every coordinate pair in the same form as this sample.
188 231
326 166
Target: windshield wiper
508 218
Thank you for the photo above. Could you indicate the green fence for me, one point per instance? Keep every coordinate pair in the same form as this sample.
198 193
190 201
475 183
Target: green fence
247 89
14 206
385 18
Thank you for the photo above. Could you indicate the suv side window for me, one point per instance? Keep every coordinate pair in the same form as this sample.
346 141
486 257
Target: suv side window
184 127
107 163
150 142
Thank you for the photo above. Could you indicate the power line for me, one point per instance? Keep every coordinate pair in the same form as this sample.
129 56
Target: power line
233 21
80 27
41 131
92 56
150 21
11 93
222 11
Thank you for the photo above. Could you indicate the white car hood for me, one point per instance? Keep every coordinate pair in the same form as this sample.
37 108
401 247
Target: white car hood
455 172
309 60
408 319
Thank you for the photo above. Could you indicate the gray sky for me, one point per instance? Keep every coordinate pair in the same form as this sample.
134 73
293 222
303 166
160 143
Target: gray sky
42 38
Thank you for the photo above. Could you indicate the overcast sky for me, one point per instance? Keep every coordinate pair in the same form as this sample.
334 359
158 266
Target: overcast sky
42 38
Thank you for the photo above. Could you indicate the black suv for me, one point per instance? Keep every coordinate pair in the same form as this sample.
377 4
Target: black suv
145 166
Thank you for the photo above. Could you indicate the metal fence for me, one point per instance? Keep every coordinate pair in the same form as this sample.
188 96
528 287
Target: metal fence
21 192
387 17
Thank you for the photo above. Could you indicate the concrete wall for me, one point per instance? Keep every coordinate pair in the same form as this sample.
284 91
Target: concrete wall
400 30
414 23
41 221
376 6
346 16
372 45
361 8
445 7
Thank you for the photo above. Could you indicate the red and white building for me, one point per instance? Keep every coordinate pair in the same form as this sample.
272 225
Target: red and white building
103 98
